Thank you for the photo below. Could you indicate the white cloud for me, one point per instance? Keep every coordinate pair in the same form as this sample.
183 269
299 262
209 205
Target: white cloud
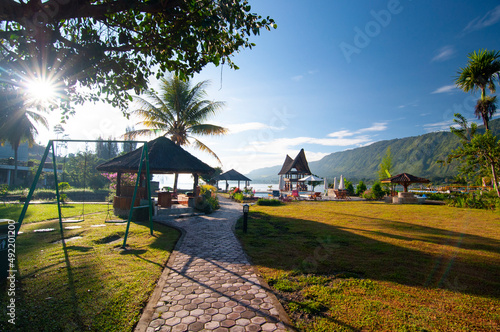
377 126
241 127
341 134
438 126
490 18
444 53
297 78
444 89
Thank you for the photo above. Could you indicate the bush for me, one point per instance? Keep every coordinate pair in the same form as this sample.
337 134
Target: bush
360 188
376 192
213 202
350 189
238 197
207 204
471 200
269 202
207 190
438 197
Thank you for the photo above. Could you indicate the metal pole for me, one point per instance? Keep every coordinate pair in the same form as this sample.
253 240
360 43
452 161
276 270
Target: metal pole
33 187
134 196
57 187
245 222
245 218
148 183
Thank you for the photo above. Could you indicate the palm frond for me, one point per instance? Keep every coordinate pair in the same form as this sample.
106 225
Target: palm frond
208 129
202 147
139 132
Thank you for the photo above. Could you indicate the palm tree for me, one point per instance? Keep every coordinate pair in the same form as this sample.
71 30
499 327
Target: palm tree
485 108
178 112
18 122
481 72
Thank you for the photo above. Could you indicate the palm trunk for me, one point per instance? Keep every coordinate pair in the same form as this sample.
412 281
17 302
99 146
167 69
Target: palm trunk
176 178
485 116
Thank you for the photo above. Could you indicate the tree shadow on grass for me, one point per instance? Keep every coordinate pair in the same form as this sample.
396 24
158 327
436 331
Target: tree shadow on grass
58 289
430 234
314 247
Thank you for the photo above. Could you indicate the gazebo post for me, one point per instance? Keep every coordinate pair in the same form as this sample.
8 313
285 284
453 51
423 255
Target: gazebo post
195 175
118 184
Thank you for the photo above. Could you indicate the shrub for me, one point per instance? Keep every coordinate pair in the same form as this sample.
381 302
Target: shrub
238 197
438 197
474 201
213 202
269 202
207 190
376 192
207 204
350 189
361 188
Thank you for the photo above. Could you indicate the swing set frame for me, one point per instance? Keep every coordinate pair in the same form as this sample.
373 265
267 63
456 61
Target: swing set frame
50 145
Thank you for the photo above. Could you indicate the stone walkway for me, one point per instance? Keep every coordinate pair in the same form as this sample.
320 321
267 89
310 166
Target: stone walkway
209 284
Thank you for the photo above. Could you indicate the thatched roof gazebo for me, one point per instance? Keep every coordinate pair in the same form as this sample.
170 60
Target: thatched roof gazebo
232 175
405 180
165 157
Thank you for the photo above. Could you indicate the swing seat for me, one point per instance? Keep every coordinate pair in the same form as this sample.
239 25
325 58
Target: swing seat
72 221
118 221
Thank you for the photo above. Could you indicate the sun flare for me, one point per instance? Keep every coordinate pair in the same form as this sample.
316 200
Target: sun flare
41 91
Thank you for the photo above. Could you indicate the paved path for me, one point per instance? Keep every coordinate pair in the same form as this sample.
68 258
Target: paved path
209 284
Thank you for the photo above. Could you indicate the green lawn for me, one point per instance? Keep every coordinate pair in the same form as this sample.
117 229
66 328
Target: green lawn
41 212
369 266
87 283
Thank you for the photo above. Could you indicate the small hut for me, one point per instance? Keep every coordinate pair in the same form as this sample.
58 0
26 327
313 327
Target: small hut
232 175
405 180
293 170
165 157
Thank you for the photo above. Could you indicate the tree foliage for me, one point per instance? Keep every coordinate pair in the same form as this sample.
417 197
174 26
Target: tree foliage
179 111
385 167
479 153
112 47
481 73
360 188
18 122
106 149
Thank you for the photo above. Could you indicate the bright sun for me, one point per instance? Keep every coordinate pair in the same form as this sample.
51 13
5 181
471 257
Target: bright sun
41 91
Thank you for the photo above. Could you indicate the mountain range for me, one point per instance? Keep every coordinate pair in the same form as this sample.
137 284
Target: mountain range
417 155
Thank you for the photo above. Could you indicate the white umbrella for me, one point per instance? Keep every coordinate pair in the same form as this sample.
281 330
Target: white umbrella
281 184
325 186
341 183
311 178
335 186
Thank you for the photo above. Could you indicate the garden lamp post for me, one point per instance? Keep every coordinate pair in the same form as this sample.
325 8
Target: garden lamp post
246 207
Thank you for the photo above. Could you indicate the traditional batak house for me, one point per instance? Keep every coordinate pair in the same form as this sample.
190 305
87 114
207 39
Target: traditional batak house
293 170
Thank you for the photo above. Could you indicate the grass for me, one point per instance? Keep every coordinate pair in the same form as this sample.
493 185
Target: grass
370 266
87 282
41 212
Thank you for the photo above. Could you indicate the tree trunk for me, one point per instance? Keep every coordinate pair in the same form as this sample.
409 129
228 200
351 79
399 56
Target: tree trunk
495 178
15 166
176 178
485 121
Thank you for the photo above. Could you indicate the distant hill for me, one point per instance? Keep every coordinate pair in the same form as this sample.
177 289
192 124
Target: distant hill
415 155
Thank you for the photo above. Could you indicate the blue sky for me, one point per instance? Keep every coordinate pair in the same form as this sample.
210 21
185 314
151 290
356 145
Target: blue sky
334 75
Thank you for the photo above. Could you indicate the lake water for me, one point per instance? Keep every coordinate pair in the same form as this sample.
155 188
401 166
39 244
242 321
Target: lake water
186 183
